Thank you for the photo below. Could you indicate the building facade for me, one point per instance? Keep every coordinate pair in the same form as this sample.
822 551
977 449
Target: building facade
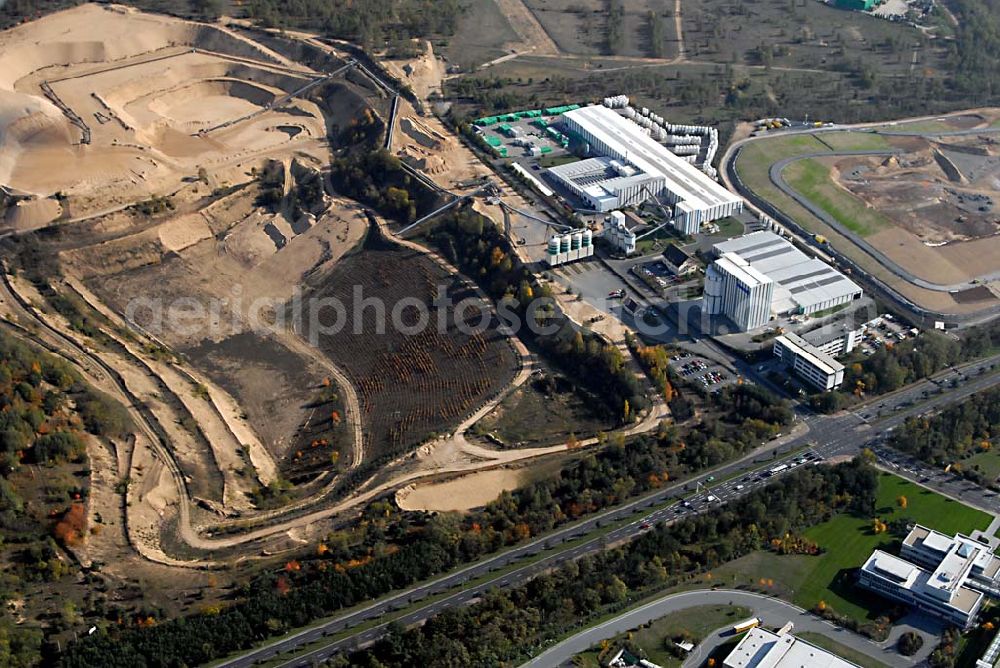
735 289
948 577
808 362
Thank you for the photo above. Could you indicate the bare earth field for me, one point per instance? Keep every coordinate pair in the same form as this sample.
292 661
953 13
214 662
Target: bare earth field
928 200
465 493
180 173
943 199
157 99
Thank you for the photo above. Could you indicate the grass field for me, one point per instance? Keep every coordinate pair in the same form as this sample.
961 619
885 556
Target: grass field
855 141
988 463
848 541
482 32
812 179
843 651
698 621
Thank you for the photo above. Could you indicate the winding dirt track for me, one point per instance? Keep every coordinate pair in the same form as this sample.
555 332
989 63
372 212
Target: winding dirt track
453 454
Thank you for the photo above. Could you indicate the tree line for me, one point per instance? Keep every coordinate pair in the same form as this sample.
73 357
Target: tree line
511 624
960 431
45 412
389 549
478 247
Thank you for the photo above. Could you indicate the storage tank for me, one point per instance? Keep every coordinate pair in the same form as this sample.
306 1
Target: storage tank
554 246
588 238
564 244
645 111
685 150
576 240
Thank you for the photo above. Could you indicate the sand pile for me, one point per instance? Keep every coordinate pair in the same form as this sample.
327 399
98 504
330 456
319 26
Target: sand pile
32 213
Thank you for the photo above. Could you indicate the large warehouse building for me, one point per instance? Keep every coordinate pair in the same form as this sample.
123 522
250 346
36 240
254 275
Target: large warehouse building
799 284
633 163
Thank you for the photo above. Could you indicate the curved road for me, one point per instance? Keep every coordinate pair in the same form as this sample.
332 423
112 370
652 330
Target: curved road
732 180
776 174
772 612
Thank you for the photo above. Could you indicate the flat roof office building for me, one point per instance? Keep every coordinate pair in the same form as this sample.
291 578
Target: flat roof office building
695 196
945 576
939 594
809 362
761 648
930 548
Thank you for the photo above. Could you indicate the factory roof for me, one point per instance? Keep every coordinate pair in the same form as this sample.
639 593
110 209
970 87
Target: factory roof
599 177
682 178
740 269
763 649
803 280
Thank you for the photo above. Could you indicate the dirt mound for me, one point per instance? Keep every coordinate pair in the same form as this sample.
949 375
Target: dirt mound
32 213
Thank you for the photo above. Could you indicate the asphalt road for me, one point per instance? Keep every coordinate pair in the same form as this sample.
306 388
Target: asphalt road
828 436
776 174
918 313
771 611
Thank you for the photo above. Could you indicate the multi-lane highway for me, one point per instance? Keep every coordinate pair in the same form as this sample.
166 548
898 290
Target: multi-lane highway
827 436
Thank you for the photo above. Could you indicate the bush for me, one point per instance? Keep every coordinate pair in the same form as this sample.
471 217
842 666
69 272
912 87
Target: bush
909 643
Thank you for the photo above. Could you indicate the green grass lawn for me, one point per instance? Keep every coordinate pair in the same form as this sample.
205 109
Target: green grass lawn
855 141
812 180
757 157
729 227
548 161
843 651
848 541
698 621
755 161
988 463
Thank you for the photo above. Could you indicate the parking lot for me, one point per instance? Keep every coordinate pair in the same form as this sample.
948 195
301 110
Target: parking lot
700 371
882 329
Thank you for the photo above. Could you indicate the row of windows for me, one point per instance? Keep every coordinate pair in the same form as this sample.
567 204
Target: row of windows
926 604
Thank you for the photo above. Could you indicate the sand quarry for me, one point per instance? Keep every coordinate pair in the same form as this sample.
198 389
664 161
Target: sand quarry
103 108
104 105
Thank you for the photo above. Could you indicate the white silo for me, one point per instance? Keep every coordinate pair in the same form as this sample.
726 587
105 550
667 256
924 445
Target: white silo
711 301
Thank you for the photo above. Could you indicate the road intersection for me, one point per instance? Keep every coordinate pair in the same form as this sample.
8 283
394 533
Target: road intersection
822 438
